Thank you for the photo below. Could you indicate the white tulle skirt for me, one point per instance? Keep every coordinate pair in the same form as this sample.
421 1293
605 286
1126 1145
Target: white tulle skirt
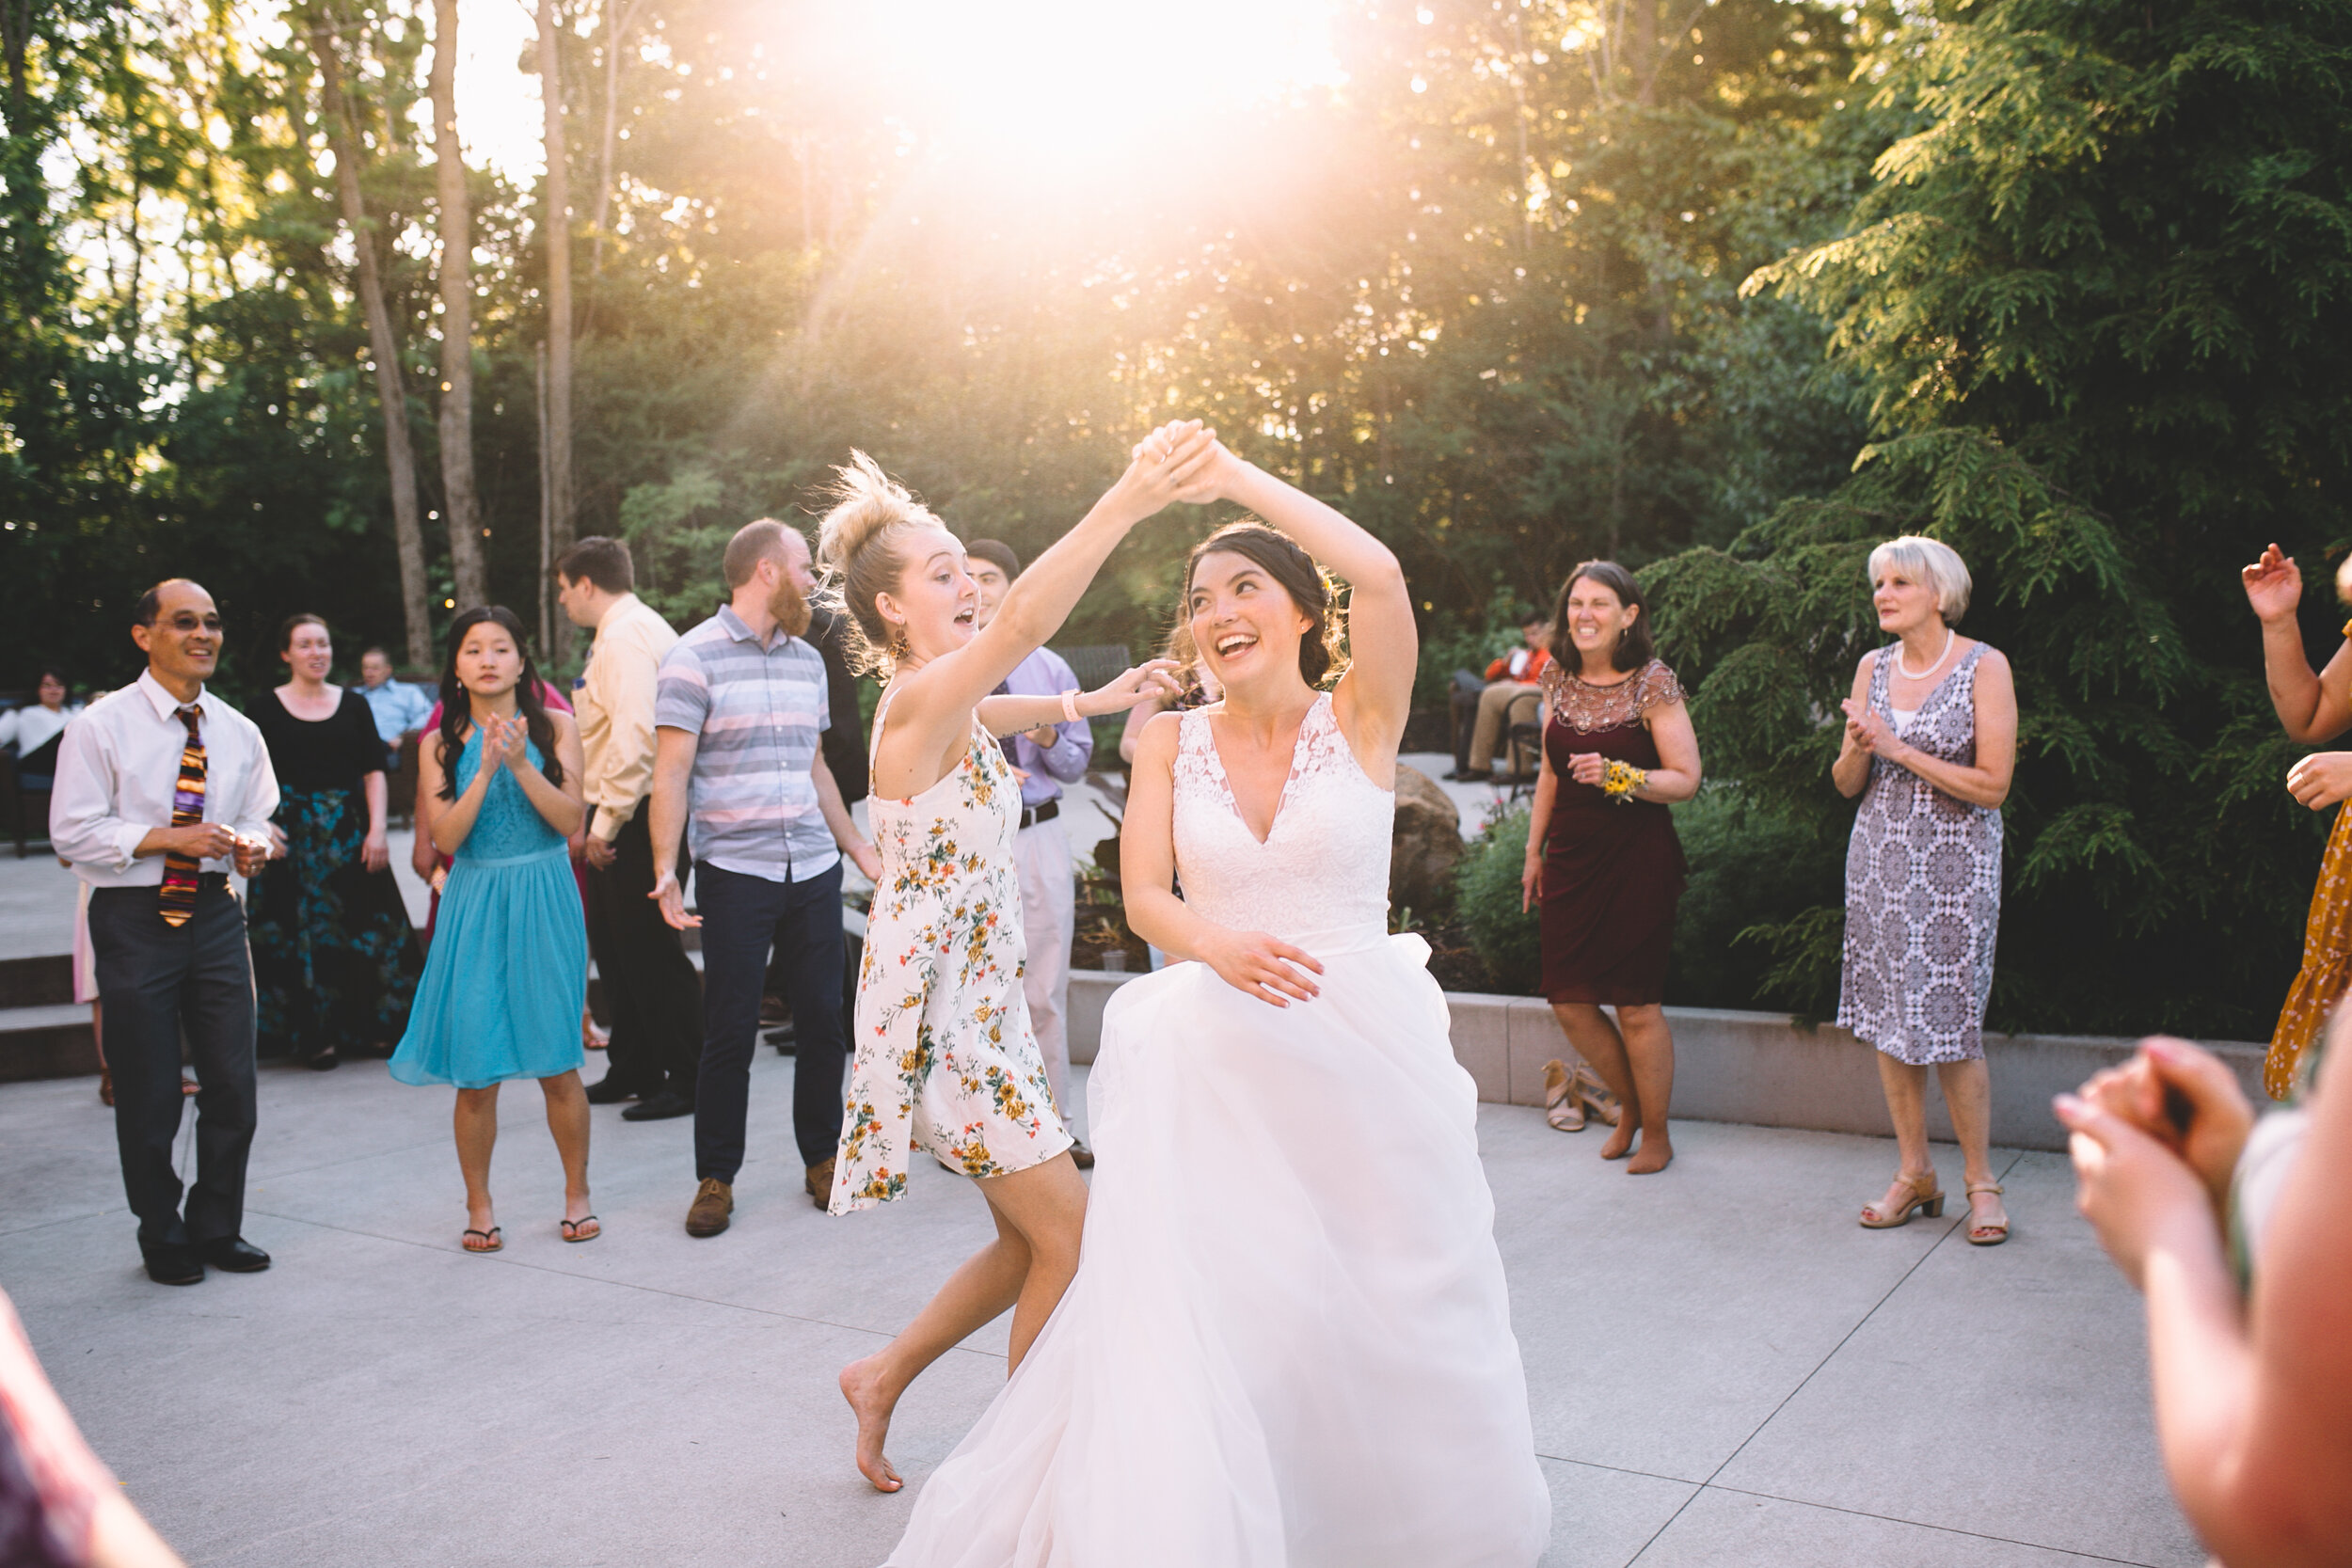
1288 1344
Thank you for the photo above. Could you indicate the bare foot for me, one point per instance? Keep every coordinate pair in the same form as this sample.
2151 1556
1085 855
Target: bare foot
868 1393
1658 1152
1620 1142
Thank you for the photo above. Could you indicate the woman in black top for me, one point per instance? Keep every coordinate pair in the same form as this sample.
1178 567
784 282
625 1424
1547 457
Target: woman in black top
335 963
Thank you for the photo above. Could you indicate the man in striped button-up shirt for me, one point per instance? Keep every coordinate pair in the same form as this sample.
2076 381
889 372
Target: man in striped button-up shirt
738 713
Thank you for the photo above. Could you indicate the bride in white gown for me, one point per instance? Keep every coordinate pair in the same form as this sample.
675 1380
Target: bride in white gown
1288 1344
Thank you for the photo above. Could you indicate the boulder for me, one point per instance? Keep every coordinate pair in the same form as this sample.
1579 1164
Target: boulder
1427 844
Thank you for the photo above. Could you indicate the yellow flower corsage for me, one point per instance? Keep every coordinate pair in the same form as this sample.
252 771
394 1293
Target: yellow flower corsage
1619 780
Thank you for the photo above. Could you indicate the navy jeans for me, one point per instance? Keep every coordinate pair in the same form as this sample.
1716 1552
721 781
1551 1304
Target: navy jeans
742 917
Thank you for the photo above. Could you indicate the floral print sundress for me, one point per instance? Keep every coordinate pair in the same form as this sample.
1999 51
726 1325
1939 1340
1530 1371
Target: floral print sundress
945 1058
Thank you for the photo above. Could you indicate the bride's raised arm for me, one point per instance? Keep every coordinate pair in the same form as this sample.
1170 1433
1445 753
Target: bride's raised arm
1374 698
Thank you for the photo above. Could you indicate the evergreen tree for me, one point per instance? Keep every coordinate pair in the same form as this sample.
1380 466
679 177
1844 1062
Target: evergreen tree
2096 302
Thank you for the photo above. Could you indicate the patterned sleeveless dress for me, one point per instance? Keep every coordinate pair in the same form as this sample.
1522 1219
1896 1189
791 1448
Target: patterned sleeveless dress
945 1059
1923 887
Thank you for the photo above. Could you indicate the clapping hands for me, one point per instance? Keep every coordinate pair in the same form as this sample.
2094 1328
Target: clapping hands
503 741
2155 1141
1866 731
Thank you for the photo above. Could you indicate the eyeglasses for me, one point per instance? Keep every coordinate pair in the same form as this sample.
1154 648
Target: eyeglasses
187 620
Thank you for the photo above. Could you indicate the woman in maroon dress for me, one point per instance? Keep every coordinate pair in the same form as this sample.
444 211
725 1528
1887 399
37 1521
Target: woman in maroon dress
1601 850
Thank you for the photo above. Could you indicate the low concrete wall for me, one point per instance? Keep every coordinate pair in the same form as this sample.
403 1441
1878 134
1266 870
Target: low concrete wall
1756 1068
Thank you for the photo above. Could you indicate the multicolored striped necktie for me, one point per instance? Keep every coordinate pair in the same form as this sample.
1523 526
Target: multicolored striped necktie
187 809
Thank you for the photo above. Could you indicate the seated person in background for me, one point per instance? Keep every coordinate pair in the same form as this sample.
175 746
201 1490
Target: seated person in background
33 731
400 708
1484 711
2238 1235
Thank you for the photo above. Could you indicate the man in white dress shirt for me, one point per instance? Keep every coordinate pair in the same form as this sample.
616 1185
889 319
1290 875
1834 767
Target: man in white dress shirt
162 788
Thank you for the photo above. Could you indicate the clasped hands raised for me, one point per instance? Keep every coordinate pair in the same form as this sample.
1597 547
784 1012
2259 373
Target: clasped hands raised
2156 1143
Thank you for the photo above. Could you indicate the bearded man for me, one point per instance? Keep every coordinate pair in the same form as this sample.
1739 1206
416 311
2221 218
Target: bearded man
741 715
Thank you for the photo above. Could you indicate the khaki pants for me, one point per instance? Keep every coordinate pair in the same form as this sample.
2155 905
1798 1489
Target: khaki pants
1501 705
1049 906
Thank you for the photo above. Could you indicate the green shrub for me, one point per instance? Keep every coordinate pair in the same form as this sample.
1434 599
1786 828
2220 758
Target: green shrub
1487 898
1762 921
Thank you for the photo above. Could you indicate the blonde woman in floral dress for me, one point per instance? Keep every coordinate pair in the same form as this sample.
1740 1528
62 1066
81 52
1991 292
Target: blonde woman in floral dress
944 1061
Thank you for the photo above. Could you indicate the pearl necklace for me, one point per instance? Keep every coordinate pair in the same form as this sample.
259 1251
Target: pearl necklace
1903 666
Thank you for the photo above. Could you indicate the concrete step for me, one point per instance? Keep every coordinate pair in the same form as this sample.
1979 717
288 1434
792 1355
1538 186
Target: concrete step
43 981
46 1042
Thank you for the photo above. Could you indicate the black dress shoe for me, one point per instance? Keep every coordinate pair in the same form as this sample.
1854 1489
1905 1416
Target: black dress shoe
609 1090
236 1255
1080 1155
659 1107
173 1263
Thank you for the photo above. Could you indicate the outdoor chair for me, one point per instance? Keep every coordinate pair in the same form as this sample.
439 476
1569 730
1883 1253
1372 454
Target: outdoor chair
1526 752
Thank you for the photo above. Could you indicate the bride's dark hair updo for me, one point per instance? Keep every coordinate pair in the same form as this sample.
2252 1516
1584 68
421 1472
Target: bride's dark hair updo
1277 555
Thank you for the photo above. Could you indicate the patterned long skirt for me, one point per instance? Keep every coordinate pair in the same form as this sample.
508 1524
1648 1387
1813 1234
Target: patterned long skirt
2327 971
335 963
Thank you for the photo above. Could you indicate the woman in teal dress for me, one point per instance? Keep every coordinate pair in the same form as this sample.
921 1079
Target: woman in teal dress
508 969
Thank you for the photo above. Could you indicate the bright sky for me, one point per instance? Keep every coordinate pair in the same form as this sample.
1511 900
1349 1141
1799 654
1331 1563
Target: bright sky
1061 76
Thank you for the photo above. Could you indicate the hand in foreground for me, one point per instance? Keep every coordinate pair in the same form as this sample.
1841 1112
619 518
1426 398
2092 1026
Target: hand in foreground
1262 966
672 898
1155 477
2274 585
376 853
2140 1195
2202 1090
2321 779
1153 677
596 853
1588 768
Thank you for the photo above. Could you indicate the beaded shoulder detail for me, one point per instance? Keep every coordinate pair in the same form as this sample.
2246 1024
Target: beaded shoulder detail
1585 708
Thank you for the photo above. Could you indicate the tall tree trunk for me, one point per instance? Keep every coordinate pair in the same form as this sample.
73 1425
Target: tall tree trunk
558 233
618 14
460 503
391 388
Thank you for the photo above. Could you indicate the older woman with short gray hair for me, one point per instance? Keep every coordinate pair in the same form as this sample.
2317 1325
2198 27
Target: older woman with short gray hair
1930 743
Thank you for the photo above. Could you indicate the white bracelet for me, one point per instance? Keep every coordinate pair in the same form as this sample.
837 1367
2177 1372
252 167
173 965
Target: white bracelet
1070 704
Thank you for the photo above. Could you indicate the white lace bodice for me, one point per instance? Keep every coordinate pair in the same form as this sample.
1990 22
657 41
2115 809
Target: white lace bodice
1324 867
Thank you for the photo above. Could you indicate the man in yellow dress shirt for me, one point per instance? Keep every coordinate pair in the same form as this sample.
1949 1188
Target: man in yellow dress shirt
652 996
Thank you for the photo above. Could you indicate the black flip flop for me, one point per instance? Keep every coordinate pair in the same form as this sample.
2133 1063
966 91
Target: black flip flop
491 1236
569 1230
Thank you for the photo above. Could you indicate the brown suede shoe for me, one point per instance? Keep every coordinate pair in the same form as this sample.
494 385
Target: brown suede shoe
714 1200
821 1182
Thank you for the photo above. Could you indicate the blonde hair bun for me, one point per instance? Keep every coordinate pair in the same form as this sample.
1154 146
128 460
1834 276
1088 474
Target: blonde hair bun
864 503
856 547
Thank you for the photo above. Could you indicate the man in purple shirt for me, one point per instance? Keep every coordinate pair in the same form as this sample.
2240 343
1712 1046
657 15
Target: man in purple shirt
1048 757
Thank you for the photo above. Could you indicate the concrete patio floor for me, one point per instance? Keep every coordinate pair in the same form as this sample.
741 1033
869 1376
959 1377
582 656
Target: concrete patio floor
1726 1370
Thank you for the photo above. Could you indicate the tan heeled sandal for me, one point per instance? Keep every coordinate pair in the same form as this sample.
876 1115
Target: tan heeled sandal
1563 1108
1596 1095
1986 1235
1922 1194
